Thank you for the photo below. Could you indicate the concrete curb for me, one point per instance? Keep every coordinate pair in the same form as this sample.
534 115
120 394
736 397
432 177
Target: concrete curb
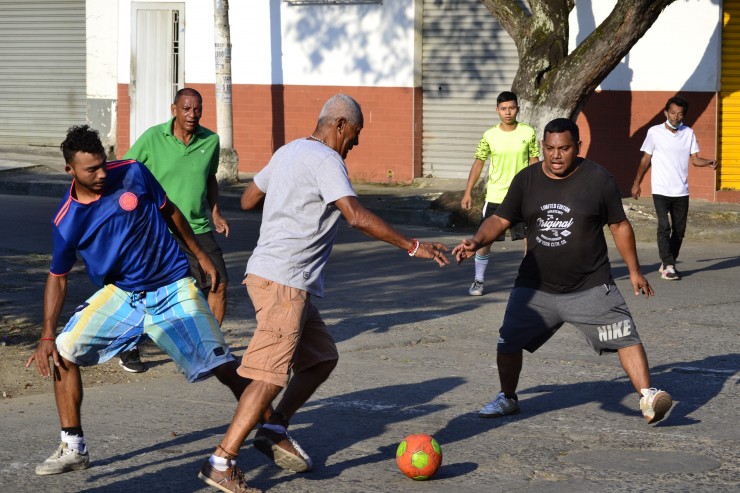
408 209
410 205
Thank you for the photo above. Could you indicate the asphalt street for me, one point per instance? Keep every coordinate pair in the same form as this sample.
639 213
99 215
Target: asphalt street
417 355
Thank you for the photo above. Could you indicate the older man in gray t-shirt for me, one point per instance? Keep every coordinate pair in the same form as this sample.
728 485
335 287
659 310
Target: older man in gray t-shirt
299 218
305 189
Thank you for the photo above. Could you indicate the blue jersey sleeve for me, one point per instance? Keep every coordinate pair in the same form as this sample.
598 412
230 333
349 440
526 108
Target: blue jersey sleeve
64 256
153 186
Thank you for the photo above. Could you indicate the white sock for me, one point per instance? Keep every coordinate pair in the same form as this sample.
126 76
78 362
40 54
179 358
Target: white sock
481 262
74 442
276 428
221 463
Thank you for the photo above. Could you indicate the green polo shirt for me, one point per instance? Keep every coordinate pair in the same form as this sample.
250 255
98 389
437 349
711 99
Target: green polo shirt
182 170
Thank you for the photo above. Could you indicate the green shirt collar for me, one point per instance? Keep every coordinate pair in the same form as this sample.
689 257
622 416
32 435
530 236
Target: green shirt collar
197 135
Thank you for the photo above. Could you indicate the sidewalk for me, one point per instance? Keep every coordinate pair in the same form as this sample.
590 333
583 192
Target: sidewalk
40 172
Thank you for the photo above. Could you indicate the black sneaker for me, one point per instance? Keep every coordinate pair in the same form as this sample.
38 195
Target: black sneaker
130 361
670 273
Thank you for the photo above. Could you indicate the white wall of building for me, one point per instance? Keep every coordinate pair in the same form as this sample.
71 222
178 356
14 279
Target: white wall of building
377 45
102 52
679 52
358 45
274 42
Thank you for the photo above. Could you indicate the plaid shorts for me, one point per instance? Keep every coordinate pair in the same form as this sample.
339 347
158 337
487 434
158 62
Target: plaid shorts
176 317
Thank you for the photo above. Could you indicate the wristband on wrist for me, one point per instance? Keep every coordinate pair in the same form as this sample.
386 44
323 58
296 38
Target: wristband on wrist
48 339
412 251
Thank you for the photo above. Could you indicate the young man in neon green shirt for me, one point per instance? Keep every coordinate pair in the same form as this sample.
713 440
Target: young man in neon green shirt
511 147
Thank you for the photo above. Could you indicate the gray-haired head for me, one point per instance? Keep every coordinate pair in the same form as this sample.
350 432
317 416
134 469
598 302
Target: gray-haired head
338 106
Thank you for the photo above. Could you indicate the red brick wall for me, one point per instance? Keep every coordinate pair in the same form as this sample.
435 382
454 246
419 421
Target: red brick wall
123 128
614 124
266 117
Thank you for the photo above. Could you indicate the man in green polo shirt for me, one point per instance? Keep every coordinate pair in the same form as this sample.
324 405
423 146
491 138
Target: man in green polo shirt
183 156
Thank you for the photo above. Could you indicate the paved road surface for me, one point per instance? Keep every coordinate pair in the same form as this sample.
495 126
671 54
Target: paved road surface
418 355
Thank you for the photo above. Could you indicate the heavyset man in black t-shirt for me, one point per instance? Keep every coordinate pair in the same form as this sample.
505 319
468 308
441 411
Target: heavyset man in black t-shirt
565 276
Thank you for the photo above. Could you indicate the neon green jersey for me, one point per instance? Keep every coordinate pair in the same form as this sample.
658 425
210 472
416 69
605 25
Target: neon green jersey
510 153
182 170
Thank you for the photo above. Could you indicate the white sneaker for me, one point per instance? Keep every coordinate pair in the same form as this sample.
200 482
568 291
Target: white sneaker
655 404
476 289
500 406
64 460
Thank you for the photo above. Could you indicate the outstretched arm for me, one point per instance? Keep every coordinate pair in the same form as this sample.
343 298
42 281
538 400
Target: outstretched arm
182 230
360 218
645 163
486 234
624 238
55 293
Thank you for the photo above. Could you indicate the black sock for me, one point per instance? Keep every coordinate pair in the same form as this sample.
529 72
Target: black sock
74 430
277 418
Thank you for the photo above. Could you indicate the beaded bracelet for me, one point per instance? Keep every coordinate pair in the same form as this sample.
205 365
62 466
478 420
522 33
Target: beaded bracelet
412 252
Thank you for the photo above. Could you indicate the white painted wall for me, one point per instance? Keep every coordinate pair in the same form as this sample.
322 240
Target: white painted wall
358 45
276 43
680 52
102 53
377 45
252 40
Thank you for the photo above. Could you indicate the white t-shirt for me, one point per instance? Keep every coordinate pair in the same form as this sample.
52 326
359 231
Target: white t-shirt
299 219
670 159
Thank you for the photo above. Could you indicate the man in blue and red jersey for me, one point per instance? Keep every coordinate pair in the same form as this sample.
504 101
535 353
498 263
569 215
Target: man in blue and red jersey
117 217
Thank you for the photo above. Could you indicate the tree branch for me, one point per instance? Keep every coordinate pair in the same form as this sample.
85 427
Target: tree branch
596 56
510 15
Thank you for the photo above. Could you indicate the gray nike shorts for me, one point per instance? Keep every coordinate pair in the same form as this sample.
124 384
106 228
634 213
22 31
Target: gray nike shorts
600 313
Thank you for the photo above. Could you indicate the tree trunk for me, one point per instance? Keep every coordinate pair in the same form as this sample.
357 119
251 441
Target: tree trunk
228 165
552 83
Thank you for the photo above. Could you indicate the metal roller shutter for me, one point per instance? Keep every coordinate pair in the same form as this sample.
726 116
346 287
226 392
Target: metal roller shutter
467 60
729 171
42 70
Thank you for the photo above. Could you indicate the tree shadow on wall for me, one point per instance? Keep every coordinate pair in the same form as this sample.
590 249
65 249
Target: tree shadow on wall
316 30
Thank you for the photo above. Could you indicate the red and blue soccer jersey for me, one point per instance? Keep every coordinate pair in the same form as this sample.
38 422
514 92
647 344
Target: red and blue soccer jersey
121 236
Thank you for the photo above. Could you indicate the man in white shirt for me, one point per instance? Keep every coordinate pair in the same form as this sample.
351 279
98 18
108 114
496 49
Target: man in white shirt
669 147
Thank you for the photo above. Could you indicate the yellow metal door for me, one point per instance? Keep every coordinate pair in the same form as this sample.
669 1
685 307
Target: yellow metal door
729 172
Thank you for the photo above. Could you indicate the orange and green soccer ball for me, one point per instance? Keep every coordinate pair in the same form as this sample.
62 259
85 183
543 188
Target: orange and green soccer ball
419 456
